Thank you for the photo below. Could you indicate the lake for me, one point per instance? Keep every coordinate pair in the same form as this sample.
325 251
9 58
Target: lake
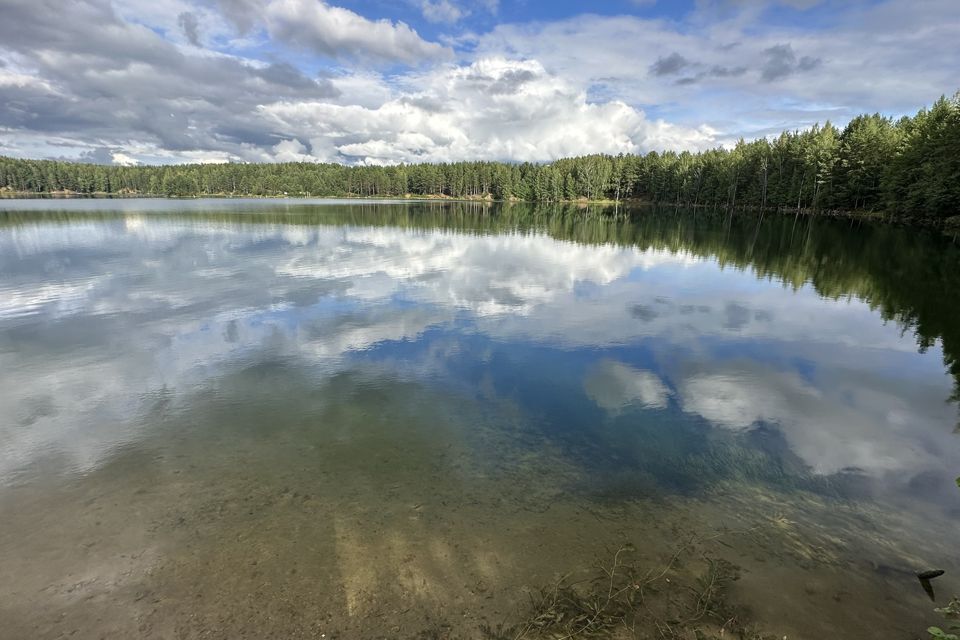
331 419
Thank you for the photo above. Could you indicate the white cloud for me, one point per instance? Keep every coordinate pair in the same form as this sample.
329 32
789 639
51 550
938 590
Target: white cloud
494 108
887 56
361 88
338 32
452 11
10 78
123 159
441 11
603 83
290 151
213 25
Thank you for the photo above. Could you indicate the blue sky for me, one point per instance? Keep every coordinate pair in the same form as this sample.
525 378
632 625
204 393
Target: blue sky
379 82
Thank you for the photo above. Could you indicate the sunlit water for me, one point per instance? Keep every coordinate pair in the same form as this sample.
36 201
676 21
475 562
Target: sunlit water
228 419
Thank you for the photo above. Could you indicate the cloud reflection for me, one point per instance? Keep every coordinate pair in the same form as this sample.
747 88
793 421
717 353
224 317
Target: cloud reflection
614 385
104 314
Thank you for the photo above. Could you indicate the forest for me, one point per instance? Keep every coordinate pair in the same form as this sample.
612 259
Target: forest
907 169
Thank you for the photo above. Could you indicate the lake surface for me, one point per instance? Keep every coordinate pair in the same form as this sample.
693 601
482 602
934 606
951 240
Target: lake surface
226 419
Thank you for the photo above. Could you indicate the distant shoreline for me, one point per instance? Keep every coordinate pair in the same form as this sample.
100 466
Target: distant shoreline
859 216
74 195
903 171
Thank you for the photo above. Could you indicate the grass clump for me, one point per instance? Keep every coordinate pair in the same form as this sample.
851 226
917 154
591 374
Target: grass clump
685 599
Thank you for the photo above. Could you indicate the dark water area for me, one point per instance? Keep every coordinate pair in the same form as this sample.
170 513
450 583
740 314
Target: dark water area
249 418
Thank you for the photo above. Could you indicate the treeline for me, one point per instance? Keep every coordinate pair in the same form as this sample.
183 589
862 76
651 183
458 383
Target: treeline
909 168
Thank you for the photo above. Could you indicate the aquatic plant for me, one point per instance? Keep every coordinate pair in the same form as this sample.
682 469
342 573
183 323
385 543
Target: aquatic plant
622 597
950 612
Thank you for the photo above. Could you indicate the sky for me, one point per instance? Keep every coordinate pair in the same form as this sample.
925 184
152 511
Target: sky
388 81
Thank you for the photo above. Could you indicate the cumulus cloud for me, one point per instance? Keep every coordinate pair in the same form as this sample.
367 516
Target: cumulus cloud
334 31
290 151
190 104
731 70
193 80
106 155
120 158
495 108
130 88
98 155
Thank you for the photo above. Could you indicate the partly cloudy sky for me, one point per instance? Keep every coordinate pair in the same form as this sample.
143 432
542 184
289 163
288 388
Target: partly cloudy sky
387 81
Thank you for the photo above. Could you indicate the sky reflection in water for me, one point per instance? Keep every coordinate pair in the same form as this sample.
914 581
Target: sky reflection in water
630 359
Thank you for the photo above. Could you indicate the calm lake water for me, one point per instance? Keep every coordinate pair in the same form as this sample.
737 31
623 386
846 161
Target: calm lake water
286 419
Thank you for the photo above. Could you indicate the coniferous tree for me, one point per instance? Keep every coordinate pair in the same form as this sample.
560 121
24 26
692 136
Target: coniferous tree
908 168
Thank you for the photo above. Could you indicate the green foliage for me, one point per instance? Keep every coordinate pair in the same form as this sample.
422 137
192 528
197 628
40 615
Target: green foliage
909 168
623 599
950 612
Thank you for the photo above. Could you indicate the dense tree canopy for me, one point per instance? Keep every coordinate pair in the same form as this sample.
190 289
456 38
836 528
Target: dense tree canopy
908 168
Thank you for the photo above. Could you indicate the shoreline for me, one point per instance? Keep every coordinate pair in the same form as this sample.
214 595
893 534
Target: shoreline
882 217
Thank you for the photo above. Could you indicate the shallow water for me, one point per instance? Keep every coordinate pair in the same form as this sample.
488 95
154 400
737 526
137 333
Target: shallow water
286 419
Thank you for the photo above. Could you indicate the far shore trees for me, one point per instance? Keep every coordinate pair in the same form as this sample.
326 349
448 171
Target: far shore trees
909 168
